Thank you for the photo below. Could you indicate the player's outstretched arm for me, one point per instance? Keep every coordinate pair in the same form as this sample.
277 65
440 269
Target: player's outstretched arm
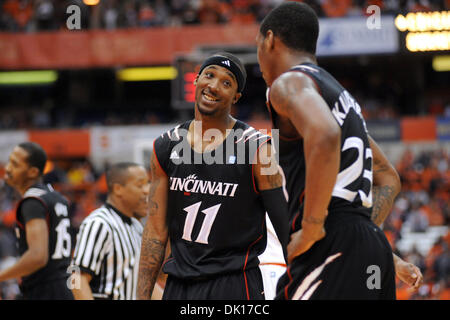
294 96
269 182
155 235
36 256
386 186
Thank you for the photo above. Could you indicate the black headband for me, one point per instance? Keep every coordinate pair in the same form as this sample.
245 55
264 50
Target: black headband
229 64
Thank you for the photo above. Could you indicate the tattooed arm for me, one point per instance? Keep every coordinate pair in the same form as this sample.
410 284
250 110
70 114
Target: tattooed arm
386 186
269 182
155 235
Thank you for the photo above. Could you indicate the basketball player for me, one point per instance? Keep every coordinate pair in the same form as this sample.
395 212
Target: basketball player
42 228
326 156
209 196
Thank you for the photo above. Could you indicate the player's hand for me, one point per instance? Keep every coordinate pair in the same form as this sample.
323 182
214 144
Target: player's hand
408 273
300 243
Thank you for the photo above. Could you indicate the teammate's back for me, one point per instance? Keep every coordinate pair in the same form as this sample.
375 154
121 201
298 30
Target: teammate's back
352 191
334 242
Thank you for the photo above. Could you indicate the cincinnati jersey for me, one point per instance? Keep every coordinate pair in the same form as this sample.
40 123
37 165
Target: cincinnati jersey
216 218
59 239
353 189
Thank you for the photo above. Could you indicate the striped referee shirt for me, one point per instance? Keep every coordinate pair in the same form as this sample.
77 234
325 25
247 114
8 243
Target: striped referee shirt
108 248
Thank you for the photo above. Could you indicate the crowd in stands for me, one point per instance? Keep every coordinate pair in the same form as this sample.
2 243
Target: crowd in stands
423 203
20 117
45 15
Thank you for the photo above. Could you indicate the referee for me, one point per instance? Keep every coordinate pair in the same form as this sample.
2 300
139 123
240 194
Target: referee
109 240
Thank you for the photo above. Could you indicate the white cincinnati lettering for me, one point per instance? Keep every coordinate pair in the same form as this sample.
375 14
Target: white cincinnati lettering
224 189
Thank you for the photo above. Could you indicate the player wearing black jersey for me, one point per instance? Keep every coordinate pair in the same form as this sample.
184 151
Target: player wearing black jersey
42 228
326 155
209 196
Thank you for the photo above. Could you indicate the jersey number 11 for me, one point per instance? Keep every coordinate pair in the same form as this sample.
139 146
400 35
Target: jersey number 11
191 216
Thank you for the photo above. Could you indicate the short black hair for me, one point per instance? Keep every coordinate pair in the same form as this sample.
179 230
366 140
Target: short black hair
36 155
296 24
117 173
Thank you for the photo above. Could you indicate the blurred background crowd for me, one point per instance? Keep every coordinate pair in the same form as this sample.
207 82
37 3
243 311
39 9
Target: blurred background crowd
47 15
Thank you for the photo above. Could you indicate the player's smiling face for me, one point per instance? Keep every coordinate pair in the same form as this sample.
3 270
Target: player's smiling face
216 89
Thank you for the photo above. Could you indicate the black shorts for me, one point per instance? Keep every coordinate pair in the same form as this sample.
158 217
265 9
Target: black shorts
241 285
354 261
52 290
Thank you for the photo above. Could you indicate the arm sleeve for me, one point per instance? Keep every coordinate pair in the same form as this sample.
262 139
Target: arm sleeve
32 209
276 207
93 244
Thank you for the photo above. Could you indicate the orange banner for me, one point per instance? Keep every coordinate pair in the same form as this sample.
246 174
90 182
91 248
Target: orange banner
63 143
418 128
82 49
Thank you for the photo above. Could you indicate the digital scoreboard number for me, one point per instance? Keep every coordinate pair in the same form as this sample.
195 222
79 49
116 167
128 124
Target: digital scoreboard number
183 88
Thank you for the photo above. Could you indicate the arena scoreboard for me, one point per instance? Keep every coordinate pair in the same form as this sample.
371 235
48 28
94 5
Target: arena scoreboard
182 87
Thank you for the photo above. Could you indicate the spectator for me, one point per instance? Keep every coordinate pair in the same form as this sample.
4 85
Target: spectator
129 15
110 14
44 16
416 258
21 12
161 12
146 15
417 218
336 8
441 265
210 12
189 15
